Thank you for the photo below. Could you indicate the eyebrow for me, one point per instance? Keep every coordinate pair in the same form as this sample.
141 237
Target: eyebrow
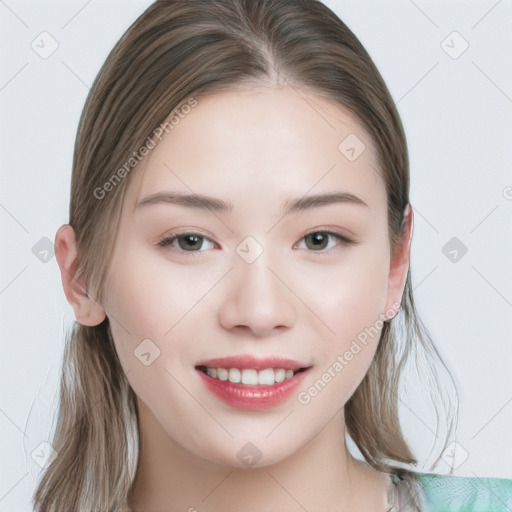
201 201
188 200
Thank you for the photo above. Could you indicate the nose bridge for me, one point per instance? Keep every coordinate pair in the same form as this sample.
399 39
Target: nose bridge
255 297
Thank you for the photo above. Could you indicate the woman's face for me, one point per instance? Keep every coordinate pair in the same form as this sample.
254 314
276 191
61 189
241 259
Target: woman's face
266 271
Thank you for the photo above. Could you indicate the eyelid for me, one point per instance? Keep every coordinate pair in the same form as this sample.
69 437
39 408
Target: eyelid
344 240
166 240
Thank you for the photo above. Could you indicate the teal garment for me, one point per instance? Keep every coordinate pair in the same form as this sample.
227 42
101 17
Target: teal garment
449 493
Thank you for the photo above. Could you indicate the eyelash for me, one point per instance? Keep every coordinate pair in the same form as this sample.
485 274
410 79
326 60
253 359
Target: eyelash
167 240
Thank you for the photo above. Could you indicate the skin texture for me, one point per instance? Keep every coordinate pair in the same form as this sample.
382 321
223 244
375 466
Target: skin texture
255 148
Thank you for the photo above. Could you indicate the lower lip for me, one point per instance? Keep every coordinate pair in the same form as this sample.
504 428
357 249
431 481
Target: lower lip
243 396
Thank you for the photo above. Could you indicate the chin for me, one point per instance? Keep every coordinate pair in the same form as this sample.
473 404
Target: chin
245 455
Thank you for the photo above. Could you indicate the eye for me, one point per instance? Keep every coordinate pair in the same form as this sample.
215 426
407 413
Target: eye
187 242
318 241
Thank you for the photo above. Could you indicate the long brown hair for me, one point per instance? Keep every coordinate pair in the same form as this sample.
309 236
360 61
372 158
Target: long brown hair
178 50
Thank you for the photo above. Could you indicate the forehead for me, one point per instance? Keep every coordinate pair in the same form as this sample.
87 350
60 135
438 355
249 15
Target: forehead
246 143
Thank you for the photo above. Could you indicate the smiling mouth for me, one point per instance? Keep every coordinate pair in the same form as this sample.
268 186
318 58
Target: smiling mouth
250 376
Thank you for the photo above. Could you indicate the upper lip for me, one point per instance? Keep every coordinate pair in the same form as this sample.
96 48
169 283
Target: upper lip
253 362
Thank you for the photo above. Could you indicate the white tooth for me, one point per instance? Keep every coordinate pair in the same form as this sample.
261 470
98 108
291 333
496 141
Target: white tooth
266 376
279 375
234 375
250 377
222 374
289 374
212 372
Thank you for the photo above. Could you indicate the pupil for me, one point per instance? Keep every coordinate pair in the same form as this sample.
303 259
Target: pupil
318 239
191 241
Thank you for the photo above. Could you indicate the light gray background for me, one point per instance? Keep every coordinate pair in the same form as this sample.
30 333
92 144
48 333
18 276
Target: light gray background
457 114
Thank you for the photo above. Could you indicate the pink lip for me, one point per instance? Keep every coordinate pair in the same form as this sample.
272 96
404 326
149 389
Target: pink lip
243 396
256 363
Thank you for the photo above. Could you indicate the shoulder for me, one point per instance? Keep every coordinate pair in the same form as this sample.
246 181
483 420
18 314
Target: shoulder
449 493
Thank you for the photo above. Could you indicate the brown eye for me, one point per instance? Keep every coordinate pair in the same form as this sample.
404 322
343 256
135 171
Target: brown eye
319 241
190 242
186 242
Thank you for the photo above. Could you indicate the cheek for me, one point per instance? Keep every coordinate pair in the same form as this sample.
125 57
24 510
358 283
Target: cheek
151 298
349 295
350 301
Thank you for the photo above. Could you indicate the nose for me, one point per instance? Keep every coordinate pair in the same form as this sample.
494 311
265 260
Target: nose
256 300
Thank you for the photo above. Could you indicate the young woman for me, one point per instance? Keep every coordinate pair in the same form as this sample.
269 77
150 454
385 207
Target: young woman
237 259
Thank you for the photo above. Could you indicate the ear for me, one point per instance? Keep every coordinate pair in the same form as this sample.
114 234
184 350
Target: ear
87 310
399 265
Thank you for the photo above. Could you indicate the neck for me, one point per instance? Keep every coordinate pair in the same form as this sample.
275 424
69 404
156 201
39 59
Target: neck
321 475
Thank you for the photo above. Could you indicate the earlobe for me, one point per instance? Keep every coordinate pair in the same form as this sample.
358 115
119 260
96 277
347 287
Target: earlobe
399 265
87 310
